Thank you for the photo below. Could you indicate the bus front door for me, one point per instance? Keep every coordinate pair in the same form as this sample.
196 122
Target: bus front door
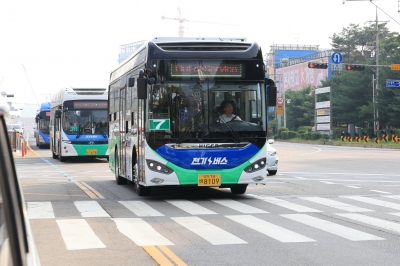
122 117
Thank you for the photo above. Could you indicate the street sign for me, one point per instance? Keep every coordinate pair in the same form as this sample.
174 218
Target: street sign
392 83
279 110
279 100
395 66
337 58
337 67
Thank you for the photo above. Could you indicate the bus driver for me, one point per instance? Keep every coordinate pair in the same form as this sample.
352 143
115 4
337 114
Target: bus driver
228 116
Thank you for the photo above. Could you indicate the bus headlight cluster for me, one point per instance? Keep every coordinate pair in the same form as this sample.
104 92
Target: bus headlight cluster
158 167
258 165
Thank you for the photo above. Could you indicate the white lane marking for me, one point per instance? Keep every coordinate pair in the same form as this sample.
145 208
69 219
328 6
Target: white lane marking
140 208
299 177
329 183
392 196
384 192
238 206
374 202
190 207
353 187
332 228
40 210
288 205
209 232
269 229
77 234
391 226
140 232
90 209
395 213
336 204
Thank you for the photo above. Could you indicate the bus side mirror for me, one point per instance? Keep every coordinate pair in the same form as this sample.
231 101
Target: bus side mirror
36 120
142 88
272 91
131 82
57 114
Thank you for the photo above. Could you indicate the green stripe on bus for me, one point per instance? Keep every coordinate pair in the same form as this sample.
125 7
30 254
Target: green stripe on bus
88 150
190 177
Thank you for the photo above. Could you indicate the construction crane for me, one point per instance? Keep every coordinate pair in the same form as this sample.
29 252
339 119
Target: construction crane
181 20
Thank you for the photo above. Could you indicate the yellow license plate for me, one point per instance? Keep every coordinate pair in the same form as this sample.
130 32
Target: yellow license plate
209 180
91 151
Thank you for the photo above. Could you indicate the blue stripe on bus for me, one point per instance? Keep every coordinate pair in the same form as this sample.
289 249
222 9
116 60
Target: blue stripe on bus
208 158
45 137
86 138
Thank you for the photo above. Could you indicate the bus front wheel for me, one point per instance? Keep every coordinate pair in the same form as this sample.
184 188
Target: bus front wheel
142 190
120 180
239 189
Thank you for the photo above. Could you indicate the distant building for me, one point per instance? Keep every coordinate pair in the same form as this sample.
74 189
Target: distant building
288 65
127 50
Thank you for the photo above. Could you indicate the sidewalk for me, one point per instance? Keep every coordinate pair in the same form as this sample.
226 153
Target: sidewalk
348 144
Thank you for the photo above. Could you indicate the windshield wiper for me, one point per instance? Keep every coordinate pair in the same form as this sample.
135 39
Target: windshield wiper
178 141
235 135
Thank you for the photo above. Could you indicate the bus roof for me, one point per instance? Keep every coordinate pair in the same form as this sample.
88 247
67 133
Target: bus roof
45 106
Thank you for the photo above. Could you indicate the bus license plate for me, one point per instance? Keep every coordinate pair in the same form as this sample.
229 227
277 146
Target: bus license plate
91 151
209 180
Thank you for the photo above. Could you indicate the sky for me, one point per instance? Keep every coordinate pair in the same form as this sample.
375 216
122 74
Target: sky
46 45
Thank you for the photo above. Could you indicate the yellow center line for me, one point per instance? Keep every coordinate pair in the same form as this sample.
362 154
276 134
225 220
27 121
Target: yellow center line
44 194
29 147
172 256
157 256
93 190
86 190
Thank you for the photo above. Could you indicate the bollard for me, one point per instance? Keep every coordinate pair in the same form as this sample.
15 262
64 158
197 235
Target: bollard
384 136
357 137
342 136
365 133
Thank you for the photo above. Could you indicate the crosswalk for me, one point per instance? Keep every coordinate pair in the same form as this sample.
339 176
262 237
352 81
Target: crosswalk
271 217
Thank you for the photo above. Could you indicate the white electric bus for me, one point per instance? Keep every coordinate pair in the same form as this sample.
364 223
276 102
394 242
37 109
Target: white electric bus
79 124
166 114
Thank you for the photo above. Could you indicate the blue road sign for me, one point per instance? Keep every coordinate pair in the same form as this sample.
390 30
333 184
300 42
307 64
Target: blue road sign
337 58
392 83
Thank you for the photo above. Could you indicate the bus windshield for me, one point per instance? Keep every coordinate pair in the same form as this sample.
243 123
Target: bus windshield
218 111
84 121
44 122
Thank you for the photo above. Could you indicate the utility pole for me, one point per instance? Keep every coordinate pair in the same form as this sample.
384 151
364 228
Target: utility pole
376 110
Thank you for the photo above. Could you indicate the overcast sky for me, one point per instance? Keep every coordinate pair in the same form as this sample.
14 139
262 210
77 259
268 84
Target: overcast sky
48 44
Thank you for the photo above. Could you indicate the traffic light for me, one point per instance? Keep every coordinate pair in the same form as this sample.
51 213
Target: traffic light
355 67
318 65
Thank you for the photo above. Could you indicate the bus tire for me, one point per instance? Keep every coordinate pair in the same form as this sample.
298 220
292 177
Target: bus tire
62 158
142 190
239 189
119 179
54 155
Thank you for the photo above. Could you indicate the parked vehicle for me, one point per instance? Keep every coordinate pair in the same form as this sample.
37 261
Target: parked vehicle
272 158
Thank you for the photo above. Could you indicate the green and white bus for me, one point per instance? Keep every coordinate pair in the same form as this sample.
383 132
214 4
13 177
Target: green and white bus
79 124
166 103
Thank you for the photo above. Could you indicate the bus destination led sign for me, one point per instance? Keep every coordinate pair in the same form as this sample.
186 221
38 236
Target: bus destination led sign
206 70
90 105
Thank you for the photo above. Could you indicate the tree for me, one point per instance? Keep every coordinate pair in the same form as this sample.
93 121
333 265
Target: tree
300 111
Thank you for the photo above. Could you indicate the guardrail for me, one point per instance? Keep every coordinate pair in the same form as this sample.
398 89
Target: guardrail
17 142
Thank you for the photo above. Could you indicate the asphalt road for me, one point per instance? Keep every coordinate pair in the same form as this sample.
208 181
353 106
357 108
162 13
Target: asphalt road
327 205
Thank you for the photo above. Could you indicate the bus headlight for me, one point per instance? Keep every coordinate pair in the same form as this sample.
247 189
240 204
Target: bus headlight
158 167
258 165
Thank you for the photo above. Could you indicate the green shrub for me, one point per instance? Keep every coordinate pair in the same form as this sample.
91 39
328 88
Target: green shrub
304 128
301 132
292 134
315 135
281 129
